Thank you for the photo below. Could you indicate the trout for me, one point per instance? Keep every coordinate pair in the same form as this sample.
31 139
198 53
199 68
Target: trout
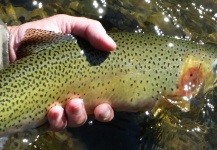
143 70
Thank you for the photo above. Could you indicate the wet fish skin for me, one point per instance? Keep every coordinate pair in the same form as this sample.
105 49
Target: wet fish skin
132 78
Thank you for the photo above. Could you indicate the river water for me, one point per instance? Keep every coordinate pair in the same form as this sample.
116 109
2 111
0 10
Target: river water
194 20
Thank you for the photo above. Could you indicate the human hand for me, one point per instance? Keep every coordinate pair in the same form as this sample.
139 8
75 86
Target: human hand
83 27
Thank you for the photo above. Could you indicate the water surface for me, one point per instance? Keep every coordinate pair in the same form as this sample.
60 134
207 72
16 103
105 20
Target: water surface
193 20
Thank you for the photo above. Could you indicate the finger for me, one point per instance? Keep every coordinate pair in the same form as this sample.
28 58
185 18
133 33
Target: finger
104 112
89 29
76 114
56 118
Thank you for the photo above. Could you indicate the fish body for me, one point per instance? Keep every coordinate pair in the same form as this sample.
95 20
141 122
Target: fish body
141 71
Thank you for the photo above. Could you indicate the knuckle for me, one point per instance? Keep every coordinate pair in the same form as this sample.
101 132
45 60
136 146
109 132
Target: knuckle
96 23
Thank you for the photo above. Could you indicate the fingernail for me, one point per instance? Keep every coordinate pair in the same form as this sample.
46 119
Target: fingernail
106 115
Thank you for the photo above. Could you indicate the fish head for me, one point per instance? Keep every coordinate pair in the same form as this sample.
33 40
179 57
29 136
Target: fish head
193 76
197 77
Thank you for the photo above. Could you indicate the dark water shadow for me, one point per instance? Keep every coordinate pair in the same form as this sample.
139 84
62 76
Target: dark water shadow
122 133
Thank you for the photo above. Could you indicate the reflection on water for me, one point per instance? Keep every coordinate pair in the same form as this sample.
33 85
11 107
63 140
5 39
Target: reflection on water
121 133
50 141
194 19
170 129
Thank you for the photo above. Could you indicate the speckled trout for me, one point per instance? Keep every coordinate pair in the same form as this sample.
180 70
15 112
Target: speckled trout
142 70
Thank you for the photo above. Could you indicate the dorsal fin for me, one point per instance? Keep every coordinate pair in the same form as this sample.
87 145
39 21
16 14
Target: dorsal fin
36 40
42 36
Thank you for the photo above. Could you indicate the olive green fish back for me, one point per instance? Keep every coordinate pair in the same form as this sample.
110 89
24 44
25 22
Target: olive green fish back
131 78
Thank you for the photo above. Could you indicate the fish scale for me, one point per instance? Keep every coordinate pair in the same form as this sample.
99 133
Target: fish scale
55 68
